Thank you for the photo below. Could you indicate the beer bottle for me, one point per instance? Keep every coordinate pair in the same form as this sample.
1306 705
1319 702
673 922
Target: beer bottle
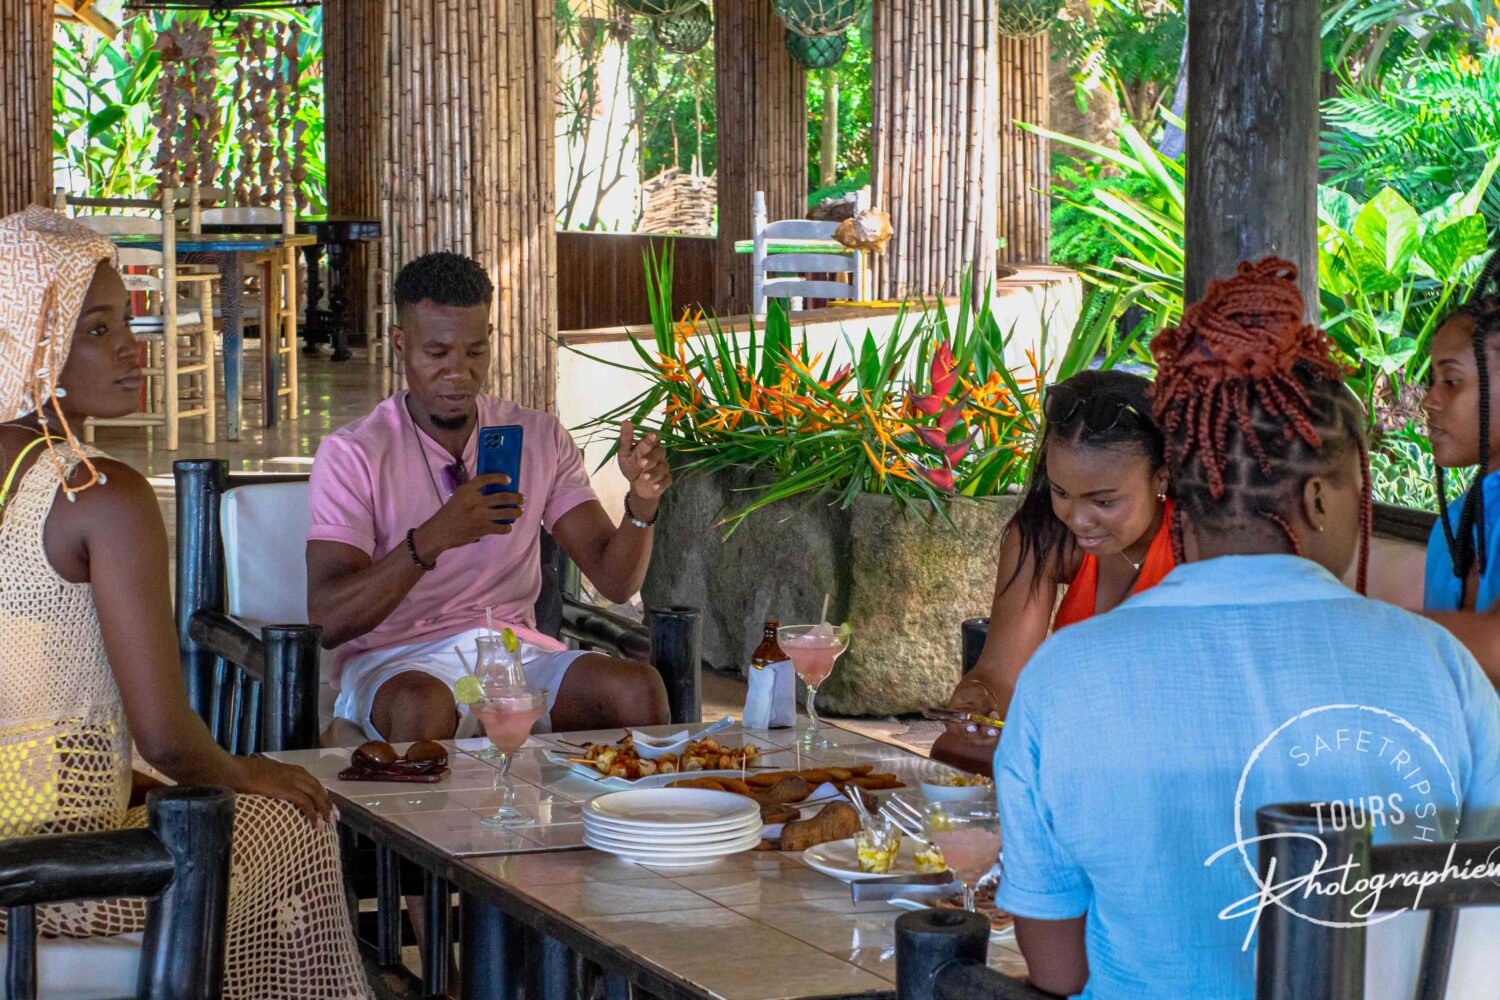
768 651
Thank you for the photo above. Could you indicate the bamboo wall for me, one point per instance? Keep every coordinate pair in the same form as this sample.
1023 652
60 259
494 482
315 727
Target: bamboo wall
353 48
25 104
935 132
762 127
470 119
1024 210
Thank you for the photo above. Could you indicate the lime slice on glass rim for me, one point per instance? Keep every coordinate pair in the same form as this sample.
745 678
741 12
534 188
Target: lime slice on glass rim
509 641
467 690
845 631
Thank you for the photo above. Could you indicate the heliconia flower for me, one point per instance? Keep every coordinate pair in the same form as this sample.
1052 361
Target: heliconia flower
949 417
941 478
929 405
944 370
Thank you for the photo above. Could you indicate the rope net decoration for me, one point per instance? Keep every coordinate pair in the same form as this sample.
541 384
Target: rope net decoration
659 8
684 33
816 53
1026 18
819 18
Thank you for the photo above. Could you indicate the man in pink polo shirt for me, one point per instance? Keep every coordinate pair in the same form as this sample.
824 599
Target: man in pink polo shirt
405 555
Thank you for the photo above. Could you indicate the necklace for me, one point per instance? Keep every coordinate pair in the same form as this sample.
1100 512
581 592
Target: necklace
1133 564
421 450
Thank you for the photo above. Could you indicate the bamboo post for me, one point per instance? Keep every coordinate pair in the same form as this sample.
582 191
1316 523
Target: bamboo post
170 403
761 100
287 342
935 78
26 111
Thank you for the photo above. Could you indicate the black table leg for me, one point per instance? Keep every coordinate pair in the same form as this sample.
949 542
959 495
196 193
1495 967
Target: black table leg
387 907
557 968
338 283
315 329
493 953
437 946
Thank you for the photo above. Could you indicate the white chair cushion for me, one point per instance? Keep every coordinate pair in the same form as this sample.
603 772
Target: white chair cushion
241 213
265 551
102 968
150 324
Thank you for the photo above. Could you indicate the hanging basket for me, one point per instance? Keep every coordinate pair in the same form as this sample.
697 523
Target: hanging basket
658 8
1026 18
684 33
816 53
819 18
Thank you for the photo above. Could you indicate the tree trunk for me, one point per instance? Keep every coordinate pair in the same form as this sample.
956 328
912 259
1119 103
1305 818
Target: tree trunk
829 168
762 125
1100 116
26 112
1252 159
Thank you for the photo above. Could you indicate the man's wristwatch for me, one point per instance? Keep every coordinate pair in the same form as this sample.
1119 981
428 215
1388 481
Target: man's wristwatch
630 516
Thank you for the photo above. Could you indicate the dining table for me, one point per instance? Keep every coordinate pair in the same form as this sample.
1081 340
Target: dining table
758 925
228 251
336 235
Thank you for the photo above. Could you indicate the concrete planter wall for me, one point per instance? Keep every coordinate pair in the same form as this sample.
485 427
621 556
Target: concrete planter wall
904 583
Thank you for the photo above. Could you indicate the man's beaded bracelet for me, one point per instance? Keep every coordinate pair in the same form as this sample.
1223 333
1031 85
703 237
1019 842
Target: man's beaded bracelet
411 546
630 515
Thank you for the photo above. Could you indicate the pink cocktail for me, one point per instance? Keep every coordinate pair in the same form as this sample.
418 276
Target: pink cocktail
507 715
813 650
968 833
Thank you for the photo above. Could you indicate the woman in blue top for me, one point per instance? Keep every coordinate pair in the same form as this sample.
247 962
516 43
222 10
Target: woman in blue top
1462 586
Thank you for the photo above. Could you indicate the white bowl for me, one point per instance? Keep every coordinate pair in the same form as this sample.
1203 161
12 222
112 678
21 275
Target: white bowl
932 792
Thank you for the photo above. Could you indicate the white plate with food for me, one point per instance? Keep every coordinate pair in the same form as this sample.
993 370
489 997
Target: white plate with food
840 859
653 808
621 765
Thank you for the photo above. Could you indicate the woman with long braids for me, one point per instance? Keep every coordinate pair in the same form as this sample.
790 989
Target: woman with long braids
1092 522
1462 587
1140 743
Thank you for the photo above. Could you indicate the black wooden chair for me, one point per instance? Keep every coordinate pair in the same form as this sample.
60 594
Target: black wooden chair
180 862
257 684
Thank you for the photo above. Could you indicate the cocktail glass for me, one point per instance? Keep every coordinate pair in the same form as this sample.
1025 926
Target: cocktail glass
508 715
813 649
498 669
968 833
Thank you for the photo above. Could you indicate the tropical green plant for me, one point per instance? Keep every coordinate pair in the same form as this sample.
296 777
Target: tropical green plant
1370 39
104 105
933 413
1427 138
1136 45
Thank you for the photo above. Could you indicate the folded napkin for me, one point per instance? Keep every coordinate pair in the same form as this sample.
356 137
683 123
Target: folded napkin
771 701
822 795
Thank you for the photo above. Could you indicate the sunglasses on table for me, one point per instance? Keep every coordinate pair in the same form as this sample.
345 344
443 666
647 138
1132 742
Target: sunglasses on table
1100 412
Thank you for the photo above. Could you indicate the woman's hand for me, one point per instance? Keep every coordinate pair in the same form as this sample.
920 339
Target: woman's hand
260 776
973 695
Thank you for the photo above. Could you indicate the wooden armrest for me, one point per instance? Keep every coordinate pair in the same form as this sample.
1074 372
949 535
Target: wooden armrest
37 870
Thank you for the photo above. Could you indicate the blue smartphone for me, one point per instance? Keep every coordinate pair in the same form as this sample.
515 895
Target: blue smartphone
500 451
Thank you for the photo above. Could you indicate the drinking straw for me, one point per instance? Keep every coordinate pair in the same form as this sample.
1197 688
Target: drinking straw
823 615
463 659
489 619
799 755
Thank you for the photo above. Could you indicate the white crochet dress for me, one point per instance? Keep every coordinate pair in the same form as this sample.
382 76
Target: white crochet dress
65 768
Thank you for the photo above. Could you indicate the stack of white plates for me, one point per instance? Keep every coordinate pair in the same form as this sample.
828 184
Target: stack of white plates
671 826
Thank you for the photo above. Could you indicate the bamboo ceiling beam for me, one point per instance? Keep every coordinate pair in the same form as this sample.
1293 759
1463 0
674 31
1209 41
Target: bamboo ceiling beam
83 12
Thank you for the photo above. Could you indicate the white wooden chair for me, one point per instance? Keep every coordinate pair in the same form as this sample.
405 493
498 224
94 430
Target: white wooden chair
792 265
179 368
276 316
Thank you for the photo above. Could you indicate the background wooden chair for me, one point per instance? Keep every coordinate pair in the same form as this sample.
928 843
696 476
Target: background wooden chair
769 261
178 361
180 862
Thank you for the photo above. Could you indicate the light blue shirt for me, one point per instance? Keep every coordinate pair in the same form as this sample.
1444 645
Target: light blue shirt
1130 733
1443 591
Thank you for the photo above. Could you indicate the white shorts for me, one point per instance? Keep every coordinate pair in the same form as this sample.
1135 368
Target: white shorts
364 674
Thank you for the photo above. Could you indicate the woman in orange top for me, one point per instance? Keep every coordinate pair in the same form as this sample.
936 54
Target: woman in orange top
1095 519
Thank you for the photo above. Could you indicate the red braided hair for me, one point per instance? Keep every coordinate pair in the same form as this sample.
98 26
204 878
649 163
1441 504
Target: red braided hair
1240 353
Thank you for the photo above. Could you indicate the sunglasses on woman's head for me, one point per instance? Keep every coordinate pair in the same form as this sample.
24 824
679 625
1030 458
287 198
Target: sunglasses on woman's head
1100 413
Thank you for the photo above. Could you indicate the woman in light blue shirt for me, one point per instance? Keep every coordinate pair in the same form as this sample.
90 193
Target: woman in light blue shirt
1249 676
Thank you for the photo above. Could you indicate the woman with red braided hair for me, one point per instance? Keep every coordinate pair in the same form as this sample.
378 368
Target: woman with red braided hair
1140 743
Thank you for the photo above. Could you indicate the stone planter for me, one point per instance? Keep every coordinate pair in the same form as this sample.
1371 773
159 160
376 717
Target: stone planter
903 583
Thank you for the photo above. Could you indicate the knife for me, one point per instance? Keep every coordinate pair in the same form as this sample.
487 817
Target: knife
936 885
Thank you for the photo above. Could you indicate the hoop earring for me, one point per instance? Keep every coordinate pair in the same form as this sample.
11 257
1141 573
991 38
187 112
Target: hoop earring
1161 497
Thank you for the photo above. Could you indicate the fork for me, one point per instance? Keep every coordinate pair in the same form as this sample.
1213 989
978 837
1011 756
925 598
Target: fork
903 821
